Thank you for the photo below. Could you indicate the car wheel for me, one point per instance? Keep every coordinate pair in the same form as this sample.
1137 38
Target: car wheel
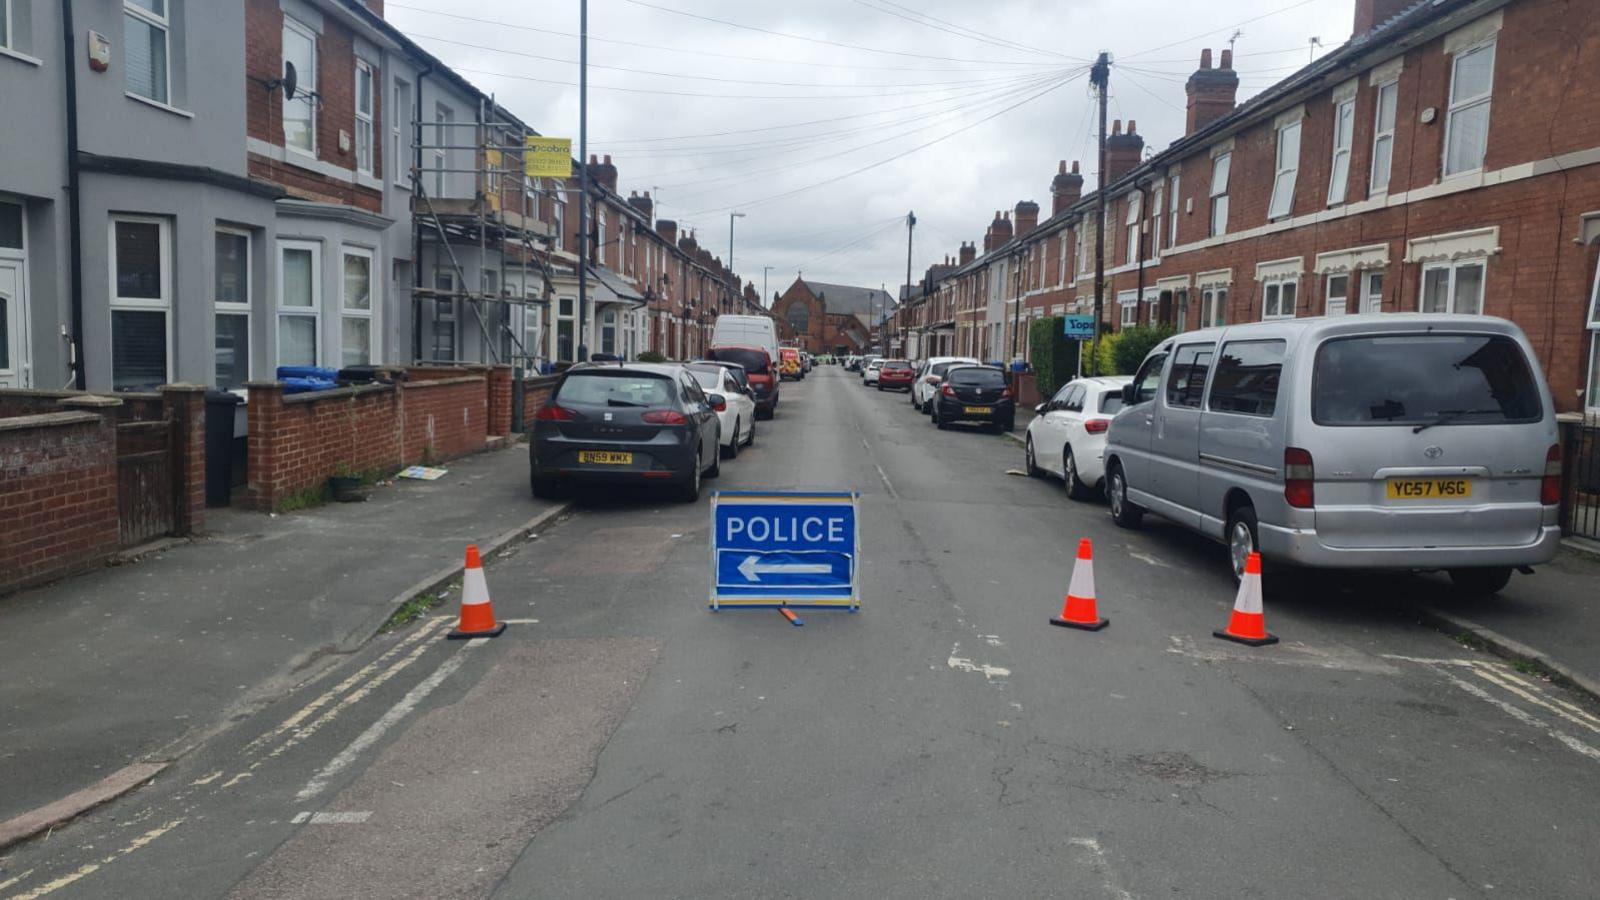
1031 463
716 457
732 449
690 492
1124 512
1242 539
1076 489
1480 582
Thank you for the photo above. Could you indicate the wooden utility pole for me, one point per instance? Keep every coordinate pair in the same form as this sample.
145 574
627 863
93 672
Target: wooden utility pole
1100 77
911 224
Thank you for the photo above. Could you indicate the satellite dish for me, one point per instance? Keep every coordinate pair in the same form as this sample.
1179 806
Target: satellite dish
290 81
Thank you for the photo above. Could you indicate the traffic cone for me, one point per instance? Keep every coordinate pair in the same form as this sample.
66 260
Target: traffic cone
1249 623
1079 610
477 613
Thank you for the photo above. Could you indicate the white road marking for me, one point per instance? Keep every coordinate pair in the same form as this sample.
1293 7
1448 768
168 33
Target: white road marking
236 779
331 818
377 729
354 697
1585 721
198 782
1290 654
1097 861
520 621
1523 716
1460 663
962 664
14 880
1552 698
1148 560
88 869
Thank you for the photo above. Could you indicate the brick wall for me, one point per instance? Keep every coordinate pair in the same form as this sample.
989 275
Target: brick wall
58 495
499 386
535 393
445 417
298 441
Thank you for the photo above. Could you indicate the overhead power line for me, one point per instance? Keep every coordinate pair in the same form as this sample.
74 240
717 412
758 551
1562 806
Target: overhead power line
938 24
1203 34
665 93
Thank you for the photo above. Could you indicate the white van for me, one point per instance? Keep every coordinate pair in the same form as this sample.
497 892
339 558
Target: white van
747 331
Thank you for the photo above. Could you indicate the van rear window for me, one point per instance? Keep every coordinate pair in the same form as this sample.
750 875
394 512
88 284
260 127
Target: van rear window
754 361
1417 379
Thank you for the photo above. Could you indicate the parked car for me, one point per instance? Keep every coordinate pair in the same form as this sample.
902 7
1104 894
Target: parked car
738 413
895 375
758 368
1397 441
789 364
869 375
975 394
1067 437
626 424
866 362
930 375
747 331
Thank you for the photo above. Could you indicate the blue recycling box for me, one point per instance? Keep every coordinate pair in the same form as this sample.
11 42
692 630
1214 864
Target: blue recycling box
784 549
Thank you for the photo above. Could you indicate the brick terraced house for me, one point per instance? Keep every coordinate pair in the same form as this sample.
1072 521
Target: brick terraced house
1445 159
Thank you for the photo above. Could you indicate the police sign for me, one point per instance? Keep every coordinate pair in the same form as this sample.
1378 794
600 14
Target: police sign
772 549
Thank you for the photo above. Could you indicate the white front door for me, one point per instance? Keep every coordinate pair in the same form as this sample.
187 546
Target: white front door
13 326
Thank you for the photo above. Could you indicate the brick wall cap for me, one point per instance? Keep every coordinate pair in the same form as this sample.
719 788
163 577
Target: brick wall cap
90 401
182 387
437 382
344 393
48 420
264 385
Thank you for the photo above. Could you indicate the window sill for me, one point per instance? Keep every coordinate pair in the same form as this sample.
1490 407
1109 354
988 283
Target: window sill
157 104
19 56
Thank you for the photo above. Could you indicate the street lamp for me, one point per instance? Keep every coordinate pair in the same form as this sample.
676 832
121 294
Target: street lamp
731 217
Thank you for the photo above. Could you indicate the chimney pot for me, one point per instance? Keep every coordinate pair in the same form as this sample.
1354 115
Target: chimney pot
1075 167
608 159
1133 127
1227 59
594 160
1205 58
1062 169
1116 126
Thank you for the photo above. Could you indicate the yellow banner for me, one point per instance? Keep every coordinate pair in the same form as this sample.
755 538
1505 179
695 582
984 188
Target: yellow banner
548 158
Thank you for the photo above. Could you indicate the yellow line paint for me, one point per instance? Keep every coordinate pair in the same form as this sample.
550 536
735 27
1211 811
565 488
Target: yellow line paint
87 869
350 700
1529 696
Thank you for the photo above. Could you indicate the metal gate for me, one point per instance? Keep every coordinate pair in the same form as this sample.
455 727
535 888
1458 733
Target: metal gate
1580 500
145 482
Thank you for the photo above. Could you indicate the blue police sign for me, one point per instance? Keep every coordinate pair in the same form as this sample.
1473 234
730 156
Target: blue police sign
1079 327
784 549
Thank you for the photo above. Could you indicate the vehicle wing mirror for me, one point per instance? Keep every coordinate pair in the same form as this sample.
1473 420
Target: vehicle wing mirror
1041 409
1130 394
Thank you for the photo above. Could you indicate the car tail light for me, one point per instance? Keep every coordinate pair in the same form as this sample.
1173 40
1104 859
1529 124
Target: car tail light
1299 478
930 379
948 391
1550 487
555 414
665 417
1097 426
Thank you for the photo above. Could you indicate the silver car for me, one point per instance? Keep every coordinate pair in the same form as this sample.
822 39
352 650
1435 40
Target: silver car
1408 441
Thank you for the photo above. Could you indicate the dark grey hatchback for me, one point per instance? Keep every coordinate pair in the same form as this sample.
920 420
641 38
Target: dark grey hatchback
974 394
626 424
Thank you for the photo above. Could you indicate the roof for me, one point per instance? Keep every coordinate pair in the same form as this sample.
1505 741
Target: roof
858 301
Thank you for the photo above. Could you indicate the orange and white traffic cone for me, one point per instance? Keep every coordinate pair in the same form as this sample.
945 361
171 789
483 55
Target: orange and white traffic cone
477 613
1079 610
1249 623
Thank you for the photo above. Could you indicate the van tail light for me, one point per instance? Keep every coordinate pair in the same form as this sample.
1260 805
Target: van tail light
1299 478
948 391
665 417
1550 487
1097 426
554 413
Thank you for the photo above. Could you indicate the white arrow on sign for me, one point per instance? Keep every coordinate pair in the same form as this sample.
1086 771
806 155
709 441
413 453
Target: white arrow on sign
752 568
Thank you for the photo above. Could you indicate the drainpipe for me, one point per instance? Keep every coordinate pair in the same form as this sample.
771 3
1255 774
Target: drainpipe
416 224
74 214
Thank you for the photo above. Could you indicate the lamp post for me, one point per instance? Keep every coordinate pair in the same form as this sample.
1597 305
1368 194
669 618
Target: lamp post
731 217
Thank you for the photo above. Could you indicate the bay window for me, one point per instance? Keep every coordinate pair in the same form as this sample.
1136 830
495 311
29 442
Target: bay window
355 308
141 299
145 33
1466 125
1453 287
299 302
300 113
230 297
1286 171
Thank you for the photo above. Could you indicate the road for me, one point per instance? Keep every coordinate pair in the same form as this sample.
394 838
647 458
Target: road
621 740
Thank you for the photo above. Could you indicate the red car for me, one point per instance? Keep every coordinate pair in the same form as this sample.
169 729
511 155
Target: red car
759 368
896 375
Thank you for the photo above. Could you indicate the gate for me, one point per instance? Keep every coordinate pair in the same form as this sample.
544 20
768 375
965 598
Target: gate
1580 497
146 486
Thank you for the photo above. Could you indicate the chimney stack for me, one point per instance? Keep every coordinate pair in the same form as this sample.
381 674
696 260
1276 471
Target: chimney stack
1123 151
643 204
603 173
1027 217
1213 92
968 252
668 229
1372 13
1066 188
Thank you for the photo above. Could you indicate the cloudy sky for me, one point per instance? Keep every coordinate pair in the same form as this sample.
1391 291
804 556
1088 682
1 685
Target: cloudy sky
825 122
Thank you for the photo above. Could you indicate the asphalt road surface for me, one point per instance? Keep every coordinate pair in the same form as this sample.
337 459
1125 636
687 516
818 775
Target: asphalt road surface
620 740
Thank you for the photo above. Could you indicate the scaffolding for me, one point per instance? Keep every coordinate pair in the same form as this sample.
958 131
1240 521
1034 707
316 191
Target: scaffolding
509 235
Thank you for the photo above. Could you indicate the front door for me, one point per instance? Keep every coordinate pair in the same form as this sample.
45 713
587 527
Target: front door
13 325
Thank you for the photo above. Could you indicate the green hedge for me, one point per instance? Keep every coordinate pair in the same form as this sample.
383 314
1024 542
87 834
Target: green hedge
1134 344
1054 356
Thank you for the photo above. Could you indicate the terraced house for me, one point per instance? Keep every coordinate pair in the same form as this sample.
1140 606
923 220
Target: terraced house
1445 159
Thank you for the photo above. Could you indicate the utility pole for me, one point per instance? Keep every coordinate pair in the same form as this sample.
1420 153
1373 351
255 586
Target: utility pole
1144 207
731 217
1100 77
764 271
583 179
911 225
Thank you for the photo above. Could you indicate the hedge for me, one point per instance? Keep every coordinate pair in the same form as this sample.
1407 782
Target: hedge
1054 356
1134 344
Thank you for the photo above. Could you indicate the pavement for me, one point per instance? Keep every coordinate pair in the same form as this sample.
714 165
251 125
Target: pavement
138 662
621 740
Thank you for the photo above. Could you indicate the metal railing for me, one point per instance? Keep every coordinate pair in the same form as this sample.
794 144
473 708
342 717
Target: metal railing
1580 464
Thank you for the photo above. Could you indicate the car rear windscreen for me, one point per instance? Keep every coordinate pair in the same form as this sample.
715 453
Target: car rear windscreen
708 378
1111 401
1416 379
978 378
754 361
898 364
615 389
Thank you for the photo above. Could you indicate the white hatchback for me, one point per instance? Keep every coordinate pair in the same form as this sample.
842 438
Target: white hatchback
738 414
870 376
1067 436
929 374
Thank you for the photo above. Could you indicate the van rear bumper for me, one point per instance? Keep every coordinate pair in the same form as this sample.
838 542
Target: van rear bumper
1302 547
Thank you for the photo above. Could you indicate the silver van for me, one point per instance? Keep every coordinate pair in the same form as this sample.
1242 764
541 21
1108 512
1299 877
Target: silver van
1390 441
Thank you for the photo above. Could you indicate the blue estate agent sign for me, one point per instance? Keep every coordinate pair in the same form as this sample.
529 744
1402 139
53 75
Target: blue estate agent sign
784 549
1079 327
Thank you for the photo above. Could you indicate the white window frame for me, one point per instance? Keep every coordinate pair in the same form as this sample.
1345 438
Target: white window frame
6 36
366 150
245 308
307 84
1384 137
1328 295
1344 127
371 312
600 242
161 22
1219 198
313 312
1135 211
1061 268
1459 105
21 361
1453 267
1594 301
162 304
1158 204
1272 298
1213 307
444 119
558 214
1591 399
1172 212
1286 172
400 122
1371 301
1128 302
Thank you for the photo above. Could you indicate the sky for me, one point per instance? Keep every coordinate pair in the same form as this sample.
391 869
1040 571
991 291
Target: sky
826 122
